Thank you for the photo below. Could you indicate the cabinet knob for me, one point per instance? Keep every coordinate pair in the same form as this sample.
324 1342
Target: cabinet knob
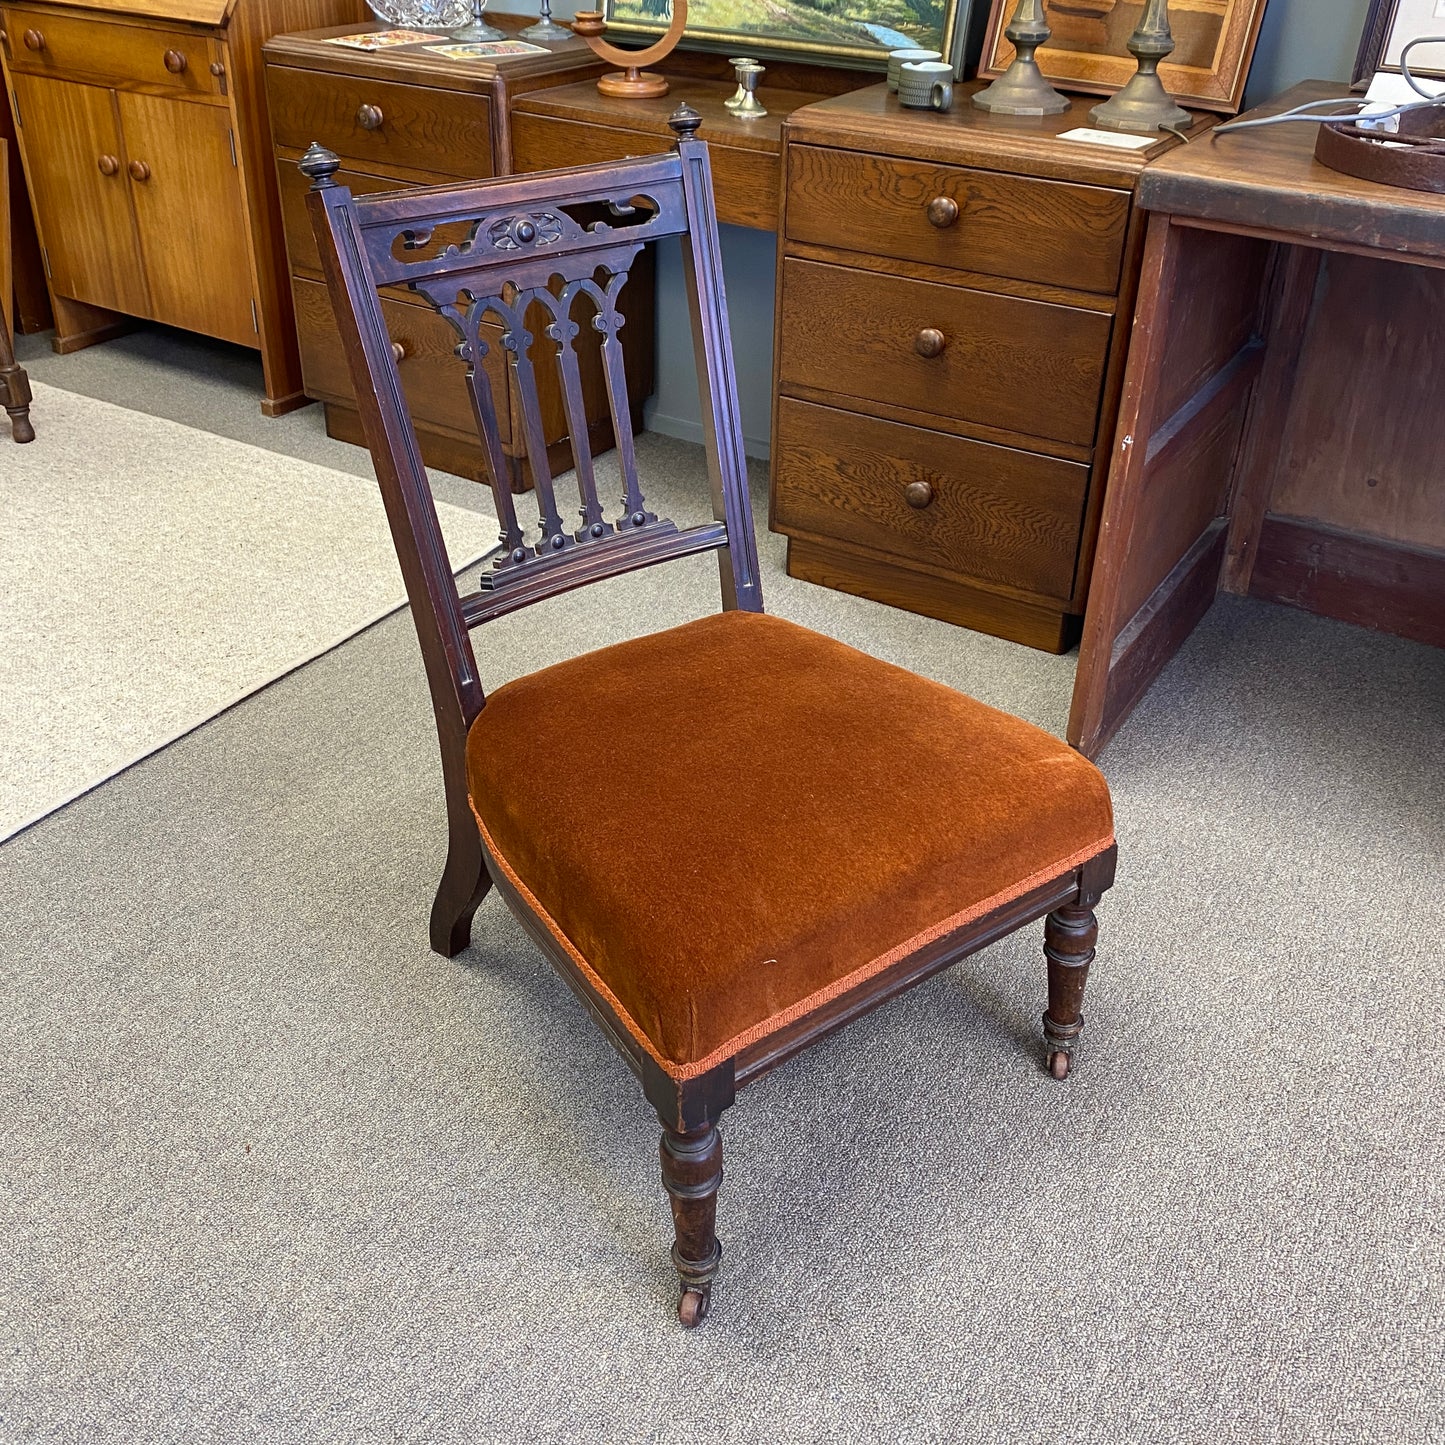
942 212
930 342
139 171
217 69
174 61
918 494
369 117
398 352
34 40
108 165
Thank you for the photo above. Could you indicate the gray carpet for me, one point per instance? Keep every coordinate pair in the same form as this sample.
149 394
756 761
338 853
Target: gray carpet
276 1172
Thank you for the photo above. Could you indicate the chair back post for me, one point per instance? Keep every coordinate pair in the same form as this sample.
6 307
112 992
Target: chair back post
716 375
451 665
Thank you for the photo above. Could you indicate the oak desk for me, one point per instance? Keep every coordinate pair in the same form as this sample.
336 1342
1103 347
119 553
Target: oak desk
1280 431
573 124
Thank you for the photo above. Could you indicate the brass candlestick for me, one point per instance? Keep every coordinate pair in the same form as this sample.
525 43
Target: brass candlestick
631 82
1022 89
1144 104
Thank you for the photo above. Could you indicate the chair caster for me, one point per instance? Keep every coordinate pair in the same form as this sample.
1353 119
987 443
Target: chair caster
1059 1064
692 1307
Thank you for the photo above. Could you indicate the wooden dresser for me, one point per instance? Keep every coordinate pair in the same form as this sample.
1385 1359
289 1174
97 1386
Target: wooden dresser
404 117
954 300
143 129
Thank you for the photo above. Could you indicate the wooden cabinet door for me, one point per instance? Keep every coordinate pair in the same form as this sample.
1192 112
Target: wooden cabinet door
76 167
193 234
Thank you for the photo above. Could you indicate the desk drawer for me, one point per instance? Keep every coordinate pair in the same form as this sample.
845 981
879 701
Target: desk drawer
435 380
1023 366
986 512
296 218
175 62
381 123
1014 226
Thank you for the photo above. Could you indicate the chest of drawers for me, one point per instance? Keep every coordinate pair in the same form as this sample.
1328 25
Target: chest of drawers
405 117
954 300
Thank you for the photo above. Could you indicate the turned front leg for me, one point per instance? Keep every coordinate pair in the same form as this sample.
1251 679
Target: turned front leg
691 1173
1069 938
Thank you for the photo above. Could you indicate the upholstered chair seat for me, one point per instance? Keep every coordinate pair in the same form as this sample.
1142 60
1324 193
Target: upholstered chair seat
728 823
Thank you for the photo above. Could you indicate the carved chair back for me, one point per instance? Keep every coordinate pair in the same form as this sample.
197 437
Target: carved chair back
555 248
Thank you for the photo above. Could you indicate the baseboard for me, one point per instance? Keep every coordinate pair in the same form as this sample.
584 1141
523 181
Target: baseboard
687 430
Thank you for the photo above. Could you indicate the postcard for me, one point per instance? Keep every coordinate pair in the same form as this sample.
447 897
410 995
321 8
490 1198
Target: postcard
487 50
385 39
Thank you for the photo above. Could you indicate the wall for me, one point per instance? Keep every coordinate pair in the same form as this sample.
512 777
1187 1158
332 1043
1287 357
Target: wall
1299 40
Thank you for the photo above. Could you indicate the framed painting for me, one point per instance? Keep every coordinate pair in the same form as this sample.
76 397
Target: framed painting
838 32
1214 42
1390 25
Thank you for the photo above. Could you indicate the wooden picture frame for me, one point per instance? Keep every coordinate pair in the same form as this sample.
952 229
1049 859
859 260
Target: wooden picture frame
822 33
1214 44
1389 24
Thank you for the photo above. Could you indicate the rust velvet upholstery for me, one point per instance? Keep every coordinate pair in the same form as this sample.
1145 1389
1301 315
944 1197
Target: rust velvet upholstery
730 819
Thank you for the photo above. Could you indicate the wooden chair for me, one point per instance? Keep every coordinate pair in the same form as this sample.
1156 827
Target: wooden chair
732 837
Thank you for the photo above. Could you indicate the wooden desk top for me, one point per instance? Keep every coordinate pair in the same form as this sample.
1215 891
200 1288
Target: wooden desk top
573 124
873 120
1268 182
417 65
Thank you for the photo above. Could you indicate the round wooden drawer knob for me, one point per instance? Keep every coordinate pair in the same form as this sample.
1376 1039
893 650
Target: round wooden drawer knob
174 61
108 165
942 212
918 494
369 117
34 40
139 171
398 352
217 69
930 342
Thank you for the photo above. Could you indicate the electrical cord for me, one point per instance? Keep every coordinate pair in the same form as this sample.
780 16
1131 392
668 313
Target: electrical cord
1309 112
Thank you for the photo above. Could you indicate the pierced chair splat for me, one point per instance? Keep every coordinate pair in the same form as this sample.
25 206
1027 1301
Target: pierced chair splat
772 805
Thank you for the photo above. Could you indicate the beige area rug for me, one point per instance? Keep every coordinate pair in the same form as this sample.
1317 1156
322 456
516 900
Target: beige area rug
152 575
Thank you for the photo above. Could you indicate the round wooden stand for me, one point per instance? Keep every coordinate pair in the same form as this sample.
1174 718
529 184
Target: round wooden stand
630 83
1414 158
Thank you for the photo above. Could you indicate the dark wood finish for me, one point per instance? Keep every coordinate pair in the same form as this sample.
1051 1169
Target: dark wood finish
946 281
1069 938
402 118
168 89
1278 434
1382 585
499 246
691 1173
14 383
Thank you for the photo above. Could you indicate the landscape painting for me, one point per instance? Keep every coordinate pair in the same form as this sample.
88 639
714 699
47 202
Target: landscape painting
859 30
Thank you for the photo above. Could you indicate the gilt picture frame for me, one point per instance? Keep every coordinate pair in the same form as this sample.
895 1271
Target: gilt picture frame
855 33
1390 25
1214 43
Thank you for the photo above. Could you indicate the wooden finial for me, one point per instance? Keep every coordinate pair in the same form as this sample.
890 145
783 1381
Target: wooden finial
685 121
319 166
